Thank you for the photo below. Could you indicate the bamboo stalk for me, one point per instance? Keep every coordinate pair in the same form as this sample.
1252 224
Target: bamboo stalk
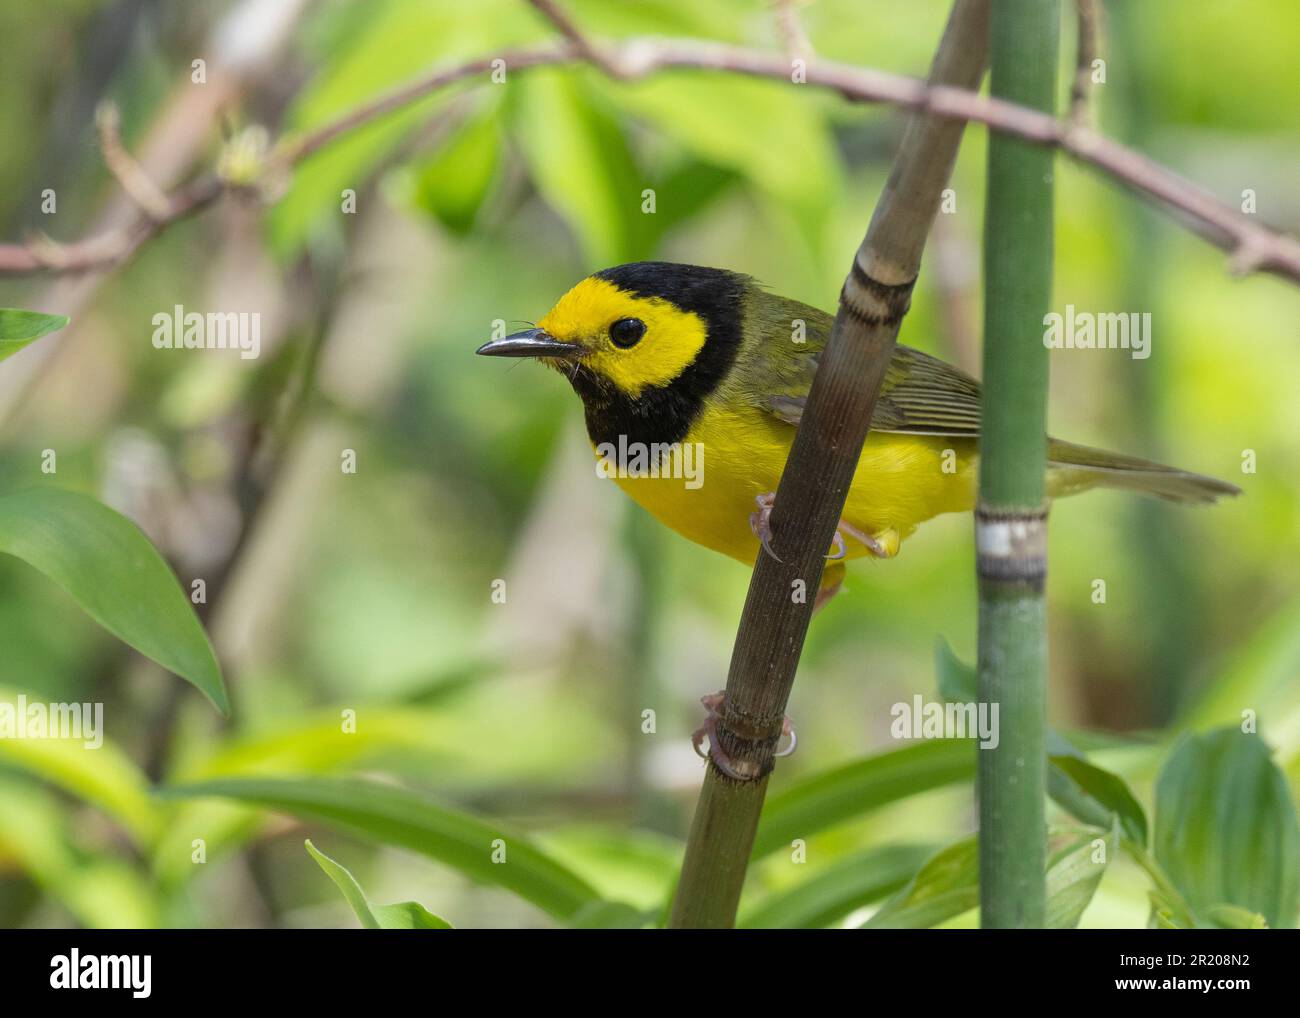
1011 519
814 485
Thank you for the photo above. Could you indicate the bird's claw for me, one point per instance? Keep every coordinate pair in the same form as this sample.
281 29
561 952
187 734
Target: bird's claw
713 704
760 522
870 543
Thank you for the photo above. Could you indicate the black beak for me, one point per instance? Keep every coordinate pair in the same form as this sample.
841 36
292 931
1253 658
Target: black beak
530 343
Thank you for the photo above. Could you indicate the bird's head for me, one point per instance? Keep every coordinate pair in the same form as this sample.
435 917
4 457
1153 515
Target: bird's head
634 330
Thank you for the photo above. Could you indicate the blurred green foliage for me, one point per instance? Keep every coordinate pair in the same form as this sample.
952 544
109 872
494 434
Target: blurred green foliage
369 596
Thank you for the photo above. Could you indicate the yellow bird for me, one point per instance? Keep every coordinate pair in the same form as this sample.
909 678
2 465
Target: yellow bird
693 380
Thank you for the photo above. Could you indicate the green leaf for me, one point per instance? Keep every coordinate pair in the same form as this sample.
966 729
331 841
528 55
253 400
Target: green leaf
1086 791
1076 862
718 19
455 182
394 44
958 682
119 579
774 135
629 865
1226 830
314 742
104 776
946 886
694 186
831 894
223 826
1106 789
1230 917
20 328
395 816
1167 913
858 788
38 836
581 164
611 915
407 915
1063 791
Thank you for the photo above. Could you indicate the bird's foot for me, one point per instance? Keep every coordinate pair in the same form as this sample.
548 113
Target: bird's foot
760 522
713 704
882 545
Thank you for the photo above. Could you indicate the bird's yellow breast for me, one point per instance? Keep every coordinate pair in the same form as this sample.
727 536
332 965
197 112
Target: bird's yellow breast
739 452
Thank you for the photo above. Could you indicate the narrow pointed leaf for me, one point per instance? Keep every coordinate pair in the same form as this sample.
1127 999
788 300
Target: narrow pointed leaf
1084 790
1230 917
109 567
391 815
610 915
858 788
831 894
20 328
946 886
408 915
1107 789
1076 863
958 682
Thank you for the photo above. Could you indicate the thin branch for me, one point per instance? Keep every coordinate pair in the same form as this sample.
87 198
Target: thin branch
112 247
296 150
151 199
1089 45
1253 246
584 47
797 43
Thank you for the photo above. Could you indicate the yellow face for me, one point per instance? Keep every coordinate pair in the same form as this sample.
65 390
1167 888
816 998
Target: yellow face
632 341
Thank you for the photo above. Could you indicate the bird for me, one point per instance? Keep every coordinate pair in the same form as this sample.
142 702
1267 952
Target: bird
694 379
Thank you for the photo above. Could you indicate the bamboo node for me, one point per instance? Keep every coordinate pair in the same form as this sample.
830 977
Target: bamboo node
748 741
1011 544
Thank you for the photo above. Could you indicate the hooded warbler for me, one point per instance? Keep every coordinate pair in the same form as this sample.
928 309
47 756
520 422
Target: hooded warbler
669 357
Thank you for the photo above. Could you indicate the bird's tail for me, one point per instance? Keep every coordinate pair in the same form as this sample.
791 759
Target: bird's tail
1077 467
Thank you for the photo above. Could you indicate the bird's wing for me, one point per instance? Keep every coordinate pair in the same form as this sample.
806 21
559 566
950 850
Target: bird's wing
921 395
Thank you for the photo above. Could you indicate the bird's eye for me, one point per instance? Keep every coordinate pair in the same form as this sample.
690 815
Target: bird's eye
627 332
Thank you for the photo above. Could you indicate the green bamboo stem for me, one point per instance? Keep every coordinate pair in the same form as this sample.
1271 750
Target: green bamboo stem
816 479
1011 519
